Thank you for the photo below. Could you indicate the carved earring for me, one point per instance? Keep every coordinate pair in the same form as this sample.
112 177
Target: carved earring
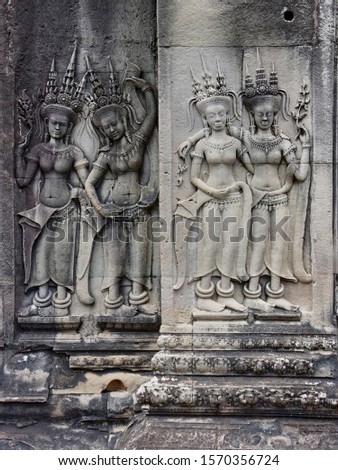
106 138
252 126
275 125
126 131
68 133
46 133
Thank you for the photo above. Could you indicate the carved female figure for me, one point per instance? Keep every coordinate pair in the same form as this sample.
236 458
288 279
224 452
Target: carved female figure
222 203
126 209
268 150
49 228
274 248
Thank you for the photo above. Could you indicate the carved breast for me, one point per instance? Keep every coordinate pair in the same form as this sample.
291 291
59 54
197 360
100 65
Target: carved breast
59 161
220 153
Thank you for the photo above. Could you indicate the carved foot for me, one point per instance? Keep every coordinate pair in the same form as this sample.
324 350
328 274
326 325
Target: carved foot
258 304
147 309
83 294
30 311
283 304
209 305
226 299
126 311
61 306
47 312
116 307
232 304
123 310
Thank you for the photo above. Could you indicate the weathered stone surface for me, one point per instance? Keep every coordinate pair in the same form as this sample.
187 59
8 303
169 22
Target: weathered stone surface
235 23
98 375
231 434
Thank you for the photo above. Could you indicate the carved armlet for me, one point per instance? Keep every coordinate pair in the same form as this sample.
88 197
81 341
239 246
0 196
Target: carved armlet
99 166
81 163
141 137
196 155
292 148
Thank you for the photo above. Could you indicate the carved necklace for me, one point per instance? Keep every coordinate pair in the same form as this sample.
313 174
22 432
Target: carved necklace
55 153
213 144
127 154
264 144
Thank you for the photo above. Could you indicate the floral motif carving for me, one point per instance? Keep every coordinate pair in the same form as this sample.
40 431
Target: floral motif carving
158 395
217 365
220 342
104 362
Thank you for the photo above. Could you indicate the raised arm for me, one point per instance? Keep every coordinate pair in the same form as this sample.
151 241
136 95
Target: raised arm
149 121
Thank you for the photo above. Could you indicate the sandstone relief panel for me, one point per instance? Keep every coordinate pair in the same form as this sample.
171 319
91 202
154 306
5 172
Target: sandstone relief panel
251 225
88 159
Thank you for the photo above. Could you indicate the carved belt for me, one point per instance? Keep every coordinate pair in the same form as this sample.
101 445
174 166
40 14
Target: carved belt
271 203
232 199
133 215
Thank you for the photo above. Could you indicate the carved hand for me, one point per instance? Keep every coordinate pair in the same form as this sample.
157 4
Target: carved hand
304 136
148 196
26 139
183 148
143 85
109 210
220 193
82 197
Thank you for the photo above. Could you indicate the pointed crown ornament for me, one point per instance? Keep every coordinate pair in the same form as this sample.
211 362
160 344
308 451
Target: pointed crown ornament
66 100
213 91
111 100
262 91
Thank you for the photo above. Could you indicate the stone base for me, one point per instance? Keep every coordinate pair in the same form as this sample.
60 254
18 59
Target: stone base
278 315
228 433
141 322
50 323
224 315
106 361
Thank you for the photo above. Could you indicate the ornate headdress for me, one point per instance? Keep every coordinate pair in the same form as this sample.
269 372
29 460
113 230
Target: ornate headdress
108 100
212 92
261 91
67 100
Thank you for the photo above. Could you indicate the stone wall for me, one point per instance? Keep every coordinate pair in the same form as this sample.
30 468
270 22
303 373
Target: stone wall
125 126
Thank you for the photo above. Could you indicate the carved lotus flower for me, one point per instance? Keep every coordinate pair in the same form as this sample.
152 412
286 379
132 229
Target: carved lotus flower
262 89
64 99
158 364
185 396
202 365
158 396
50 98
273 89
102 101
248 398
250 92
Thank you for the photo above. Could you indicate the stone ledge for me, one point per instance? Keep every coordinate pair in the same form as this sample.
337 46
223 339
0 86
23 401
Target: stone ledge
50 323
109 361
230 433
193 397
140 322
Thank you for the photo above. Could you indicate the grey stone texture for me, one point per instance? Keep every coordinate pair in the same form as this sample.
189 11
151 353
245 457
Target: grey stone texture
99 377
